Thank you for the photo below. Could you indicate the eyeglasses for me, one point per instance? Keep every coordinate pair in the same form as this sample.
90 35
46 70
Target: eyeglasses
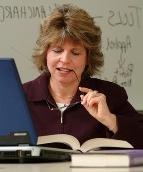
62 107
65 105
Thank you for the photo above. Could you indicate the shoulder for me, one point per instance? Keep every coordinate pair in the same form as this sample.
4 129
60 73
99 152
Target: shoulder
116 95
110 89
34 88
104 85
31 85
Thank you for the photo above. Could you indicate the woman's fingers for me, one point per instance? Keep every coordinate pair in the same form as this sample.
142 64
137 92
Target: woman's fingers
89 95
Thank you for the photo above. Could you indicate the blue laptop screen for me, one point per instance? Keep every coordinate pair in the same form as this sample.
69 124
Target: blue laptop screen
14 113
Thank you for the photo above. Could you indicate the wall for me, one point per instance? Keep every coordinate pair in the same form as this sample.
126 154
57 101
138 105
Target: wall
121 23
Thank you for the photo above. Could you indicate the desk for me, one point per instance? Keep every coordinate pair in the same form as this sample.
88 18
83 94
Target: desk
60 167
36 167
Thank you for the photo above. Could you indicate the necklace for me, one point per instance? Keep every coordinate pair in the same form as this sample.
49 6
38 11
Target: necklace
65 99
62 99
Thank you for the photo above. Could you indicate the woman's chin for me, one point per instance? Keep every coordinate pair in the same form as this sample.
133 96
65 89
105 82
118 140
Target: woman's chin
65 80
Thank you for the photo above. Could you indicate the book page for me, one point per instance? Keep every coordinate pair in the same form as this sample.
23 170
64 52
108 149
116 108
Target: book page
97 143
60 138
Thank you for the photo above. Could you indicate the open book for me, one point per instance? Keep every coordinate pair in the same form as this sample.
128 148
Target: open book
89 145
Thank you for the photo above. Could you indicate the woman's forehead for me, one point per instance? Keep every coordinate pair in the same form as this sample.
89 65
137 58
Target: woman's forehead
71 41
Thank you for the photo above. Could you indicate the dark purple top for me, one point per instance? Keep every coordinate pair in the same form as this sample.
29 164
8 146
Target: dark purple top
76 120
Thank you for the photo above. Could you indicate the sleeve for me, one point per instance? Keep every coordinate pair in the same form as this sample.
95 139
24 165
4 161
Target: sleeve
129 121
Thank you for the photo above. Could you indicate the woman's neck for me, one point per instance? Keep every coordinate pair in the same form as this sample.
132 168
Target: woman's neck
62 93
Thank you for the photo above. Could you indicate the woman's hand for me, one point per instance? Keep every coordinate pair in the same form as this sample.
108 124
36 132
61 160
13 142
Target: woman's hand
95 104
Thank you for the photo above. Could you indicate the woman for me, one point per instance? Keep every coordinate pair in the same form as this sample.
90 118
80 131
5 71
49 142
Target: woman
64 98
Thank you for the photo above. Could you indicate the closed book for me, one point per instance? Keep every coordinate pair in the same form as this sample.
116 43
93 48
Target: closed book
109 169
108 158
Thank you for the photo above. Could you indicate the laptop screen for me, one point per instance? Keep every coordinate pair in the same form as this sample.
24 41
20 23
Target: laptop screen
14 113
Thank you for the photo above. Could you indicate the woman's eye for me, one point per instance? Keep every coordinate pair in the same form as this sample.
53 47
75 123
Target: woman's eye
57 50
75 53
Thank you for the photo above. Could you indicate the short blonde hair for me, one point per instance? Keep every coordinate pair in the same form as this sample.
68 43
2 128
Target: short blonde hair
71 22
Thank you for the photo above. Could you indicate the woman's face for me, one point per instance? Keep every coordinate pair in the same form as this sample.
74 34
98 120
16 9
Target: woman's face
66 62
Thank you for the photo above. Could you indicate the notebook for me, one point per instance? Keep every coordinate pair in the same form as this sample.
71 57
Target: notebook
18 137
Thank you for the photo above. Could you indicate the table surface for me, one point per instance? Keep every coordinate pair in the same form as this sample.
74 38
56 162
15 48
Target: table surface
60 167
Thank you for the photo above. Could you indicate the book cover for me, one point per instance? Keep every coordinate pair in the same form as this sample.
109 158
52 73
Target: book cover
108 158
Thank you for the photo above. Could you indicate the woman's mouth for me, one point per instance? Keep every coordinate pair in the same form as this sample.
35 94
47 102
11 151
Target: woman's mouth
64 69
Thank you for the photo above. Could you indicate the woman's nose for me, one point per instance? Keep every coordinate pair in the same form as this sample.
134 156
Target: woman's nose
65 57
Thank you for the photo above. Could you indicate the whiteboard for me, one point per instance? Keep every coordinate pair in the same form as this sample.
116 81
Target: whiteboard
121 22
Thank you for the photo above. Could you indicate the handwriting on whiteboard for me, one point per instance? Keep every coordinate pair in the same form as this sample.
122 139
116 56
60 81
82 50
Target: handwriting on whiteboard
115 18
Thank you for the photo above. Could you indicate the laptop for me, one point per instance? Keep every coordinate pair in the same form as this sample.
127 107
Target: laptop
18 137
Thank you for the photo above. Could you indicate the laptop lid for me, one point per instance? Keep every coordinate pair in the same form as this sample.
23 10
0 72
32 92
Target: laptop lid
15 116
